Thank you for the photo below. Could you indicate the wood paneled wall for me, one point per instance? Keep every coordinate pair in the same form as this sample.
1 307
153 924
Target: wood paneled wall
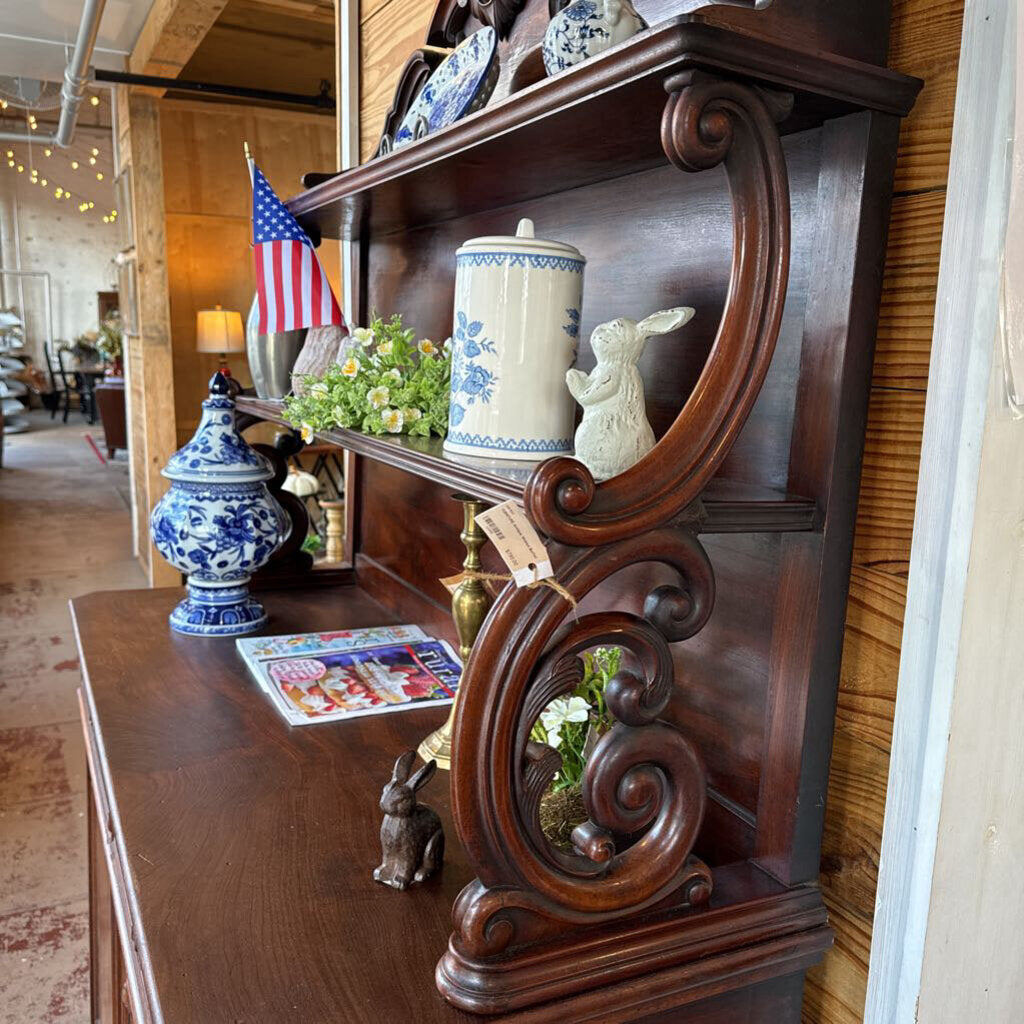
925 42
207 210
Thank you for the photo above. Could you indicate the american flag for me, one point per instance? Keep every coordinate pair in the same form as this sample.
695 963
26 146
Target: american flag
292 287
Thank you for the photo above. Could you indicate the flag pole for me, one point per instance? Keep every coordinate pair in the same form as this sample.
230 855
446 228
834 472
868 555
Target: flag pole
248 160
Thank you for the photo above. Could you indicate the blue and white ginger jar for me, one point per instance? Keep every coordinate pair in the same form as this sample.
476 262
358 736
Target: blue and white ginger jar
218 523
586 28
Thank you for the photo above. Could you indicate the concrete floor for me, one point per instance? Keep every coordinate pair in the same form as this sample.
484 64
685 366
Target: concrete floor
65 530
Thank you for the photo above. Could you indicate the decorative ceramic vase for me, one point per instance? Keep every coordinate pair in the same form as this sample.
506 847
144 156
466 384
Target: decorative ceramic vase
517 321
218 523
271 356
586 28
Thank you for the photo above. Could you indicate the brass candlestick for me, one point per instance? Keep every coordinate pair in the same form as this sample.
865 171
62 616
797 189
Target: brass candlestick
335 514
470 604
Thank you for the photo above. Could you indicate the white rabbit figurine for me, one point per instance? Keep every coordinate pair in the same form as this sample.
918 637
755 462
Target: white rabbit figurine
614 433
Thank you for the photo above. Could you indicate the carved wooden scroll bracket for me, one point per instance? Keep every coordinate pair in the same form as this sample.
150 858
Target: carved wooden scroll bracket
707 121
644 788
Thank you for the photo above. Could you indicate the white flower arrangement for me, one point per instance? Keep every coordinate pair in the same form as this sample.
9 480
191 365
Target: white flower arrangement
385 383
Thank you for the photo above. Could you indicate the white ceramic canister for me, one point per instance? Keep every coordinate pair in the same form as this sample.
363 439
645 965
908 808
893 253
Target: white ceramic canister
517 323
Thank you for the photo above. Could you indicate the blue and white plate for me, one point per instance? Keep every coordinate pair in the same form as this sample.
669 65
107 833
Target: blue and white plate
460 85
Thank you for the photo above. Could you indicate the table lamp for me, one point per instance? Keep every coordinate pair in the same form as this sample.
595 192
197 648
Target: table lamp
220 331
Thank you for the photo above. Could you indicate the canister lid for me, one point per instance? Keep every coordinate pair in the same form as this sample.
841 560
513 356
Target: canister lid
522 241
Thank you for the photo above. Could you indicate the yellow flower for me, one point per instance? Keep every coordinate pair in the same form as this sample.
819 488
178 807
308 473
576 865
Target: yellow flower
364 335
427 347
350 367
393 374
384 348
412 415
319 389
378 397
307 432
393 421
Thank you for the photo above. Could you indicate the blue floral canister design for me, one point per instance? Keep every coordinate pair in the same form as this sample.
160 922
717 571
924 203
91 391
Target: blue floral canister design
218 523
516 327
586 28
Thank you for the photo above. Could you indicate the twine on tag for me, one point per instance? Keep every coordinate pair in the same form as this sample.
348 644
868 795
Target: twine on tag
550 582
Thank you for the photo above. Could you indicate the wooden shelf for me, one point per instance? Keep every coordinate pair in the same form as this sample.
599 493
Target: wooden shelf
730 507
599 121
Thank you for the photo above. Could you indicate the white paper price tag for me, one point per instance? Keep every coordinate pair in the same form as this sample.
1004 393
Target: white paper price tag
517 542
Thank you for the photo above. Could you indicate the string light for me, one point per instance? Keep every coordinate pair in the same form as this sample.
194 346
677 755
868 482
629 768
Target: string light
59 192
94 100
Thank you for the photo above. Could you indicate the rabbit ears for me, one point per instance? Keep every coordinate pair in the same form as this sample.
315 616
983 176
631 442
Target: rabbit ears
421 778
665 320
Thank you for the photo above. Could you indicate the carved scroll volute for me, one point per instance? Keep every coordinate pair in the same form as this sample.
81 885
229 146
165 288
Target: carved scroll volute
643 775
707 121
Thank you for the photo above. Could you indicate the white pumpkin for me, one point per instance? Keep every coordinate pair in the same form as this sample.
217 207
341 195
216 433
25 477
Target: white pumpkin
300 483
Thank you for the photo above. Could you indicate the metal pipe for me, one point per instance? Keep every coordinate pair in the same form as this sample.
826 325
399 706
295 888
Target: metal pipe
76 74
76 77
321 101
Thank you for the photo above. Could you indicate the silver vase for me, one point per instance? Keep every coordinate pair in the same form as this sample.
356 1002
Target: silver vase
271 356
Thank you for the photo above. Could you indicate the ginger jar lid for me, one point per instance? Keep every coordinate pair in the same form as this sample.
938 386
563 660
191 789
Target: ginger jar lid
522 241
217 453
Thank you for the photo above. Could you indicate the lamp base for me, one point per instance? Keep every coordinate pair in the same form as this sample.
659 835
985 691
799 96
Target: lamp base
218 611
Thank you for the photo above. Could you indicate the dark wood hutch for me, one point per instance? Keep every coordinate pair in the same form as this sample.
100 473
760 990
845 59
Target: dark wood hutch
732 159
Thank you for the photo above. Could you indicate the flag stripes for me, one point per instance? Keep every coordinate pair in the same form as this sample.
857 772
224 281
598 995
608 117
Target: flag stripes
293 290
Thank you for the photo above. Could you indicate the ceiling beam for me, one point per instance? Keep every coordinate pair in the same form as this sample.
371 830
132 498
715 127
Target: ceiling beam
171 34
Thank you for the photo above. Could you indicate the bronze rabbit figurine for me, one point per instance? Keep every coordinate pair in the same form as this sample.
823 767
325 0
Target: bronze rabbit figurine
411 836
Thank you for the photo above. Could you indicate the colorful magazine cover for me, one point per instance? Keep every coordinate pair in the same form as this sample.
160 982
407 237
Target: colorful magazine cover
352 683
260 647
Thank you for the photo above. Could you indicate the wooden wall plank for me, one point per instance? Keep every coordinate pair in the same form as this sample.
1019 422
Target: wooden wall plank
908 291
888 491
387 37
925 42
835 991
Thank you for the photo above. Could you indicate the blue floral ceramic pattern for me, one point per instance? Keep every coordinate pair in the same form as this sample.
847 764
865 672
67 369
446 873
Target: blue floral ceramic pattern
584 29
462 83
471 380
218 523
520 259
571 36
553 446
572 328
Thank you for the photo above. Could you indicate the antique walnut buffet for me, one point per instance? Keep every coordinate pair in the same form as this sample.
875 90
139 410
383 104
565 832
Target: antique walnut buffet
736 160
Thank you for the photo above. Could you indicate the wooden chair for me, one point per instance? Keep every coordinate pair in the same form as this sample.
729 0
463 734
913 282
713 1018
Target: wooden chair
70 383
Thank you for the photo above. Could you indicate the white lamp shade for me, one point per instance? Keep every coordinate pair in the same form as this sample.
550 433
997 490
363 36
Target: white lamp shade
219 330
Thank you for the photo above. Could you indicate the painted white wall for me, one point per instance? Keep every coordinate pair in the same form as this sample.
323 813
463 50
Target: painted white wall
76 248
